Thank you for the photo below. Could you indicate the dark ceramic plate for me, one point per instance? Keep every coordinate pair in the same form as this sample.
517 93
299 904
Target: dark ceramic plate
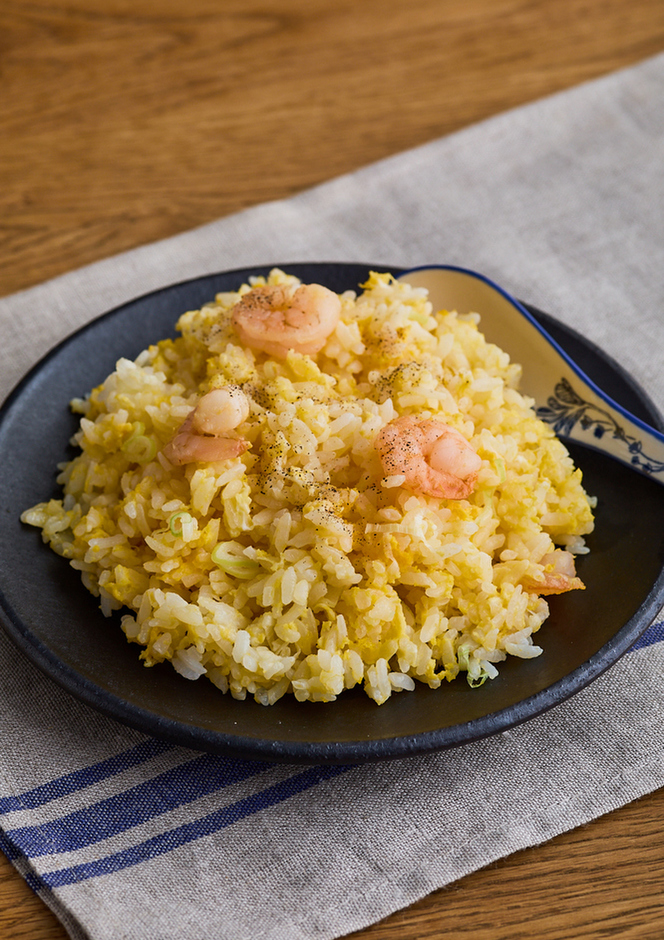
49 615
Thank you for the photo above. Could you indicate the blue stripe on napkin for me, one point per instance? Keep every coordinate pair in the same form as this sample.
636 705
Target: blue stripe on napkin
79 779
189 832
160 794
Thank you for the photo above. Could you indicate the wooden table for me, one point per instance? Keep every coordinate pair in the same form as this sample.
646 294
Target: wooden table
125 121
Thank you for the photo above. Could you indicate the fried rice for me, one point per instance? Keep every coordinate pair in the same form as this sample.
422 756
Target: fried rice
301 566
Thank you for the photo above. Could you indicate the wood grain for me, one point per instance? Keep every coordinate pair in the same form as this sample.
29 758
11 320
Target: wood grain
126 121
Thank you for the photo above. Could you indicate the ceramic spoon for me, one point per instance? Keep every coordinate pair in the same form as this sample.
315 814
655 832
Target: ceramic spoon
564 396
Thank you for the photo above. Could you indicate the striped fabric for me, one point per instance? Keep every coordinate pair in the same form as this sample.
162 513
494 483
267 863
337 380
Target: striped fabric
124 836
43 822
71 833
147 814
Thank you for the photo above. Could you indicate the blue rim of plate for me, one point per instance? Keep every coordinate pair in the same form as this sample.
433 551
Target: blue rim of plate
52 619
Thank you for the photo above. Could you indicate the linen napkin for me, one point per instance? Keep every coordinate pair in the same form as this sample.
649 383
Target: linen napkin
122 835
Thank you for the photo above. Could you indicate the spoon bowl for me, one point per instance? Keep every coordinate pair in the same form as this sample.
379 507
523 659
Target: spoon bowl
564 396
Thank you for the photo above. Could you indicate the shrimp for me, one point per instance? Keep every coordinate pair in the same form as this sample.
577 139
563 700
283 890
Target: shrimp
435 459
275 319
216 413
559 575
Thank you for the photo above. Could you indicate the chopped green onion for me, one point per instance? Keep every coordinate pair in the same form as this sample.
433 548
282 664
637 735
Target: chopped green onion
184 518
478 681
139 447
235 565
143 449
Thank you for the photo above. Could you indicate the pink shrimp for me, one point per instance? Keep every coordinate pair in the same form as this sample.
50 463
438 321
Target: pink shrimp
435 459
277 318
217 413
559 575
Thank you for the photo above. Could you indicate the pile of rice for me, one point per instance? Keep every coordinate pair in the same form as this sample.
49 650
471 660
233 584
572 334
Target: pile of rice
298 566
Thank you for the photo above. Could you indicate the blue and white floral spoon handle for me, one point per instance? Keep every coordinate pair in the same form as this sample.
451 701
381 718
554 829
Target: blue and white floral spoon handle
564 396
